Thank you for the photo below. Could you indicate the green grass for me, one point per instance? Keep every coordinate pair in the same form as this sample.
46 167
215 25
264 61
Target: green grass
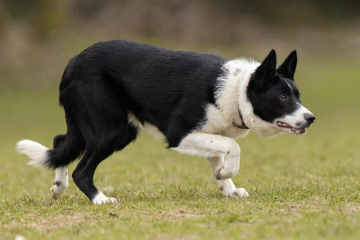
300 187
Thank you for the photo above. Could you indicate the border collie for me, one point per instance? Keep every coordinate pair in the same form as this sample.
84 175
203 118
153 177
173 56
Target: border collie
197 102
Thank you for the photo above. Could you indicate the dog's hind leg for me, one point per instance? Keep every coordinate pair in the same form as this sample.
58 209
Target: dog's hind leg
84 173
95 105
66 149
61 181
97 150
95 153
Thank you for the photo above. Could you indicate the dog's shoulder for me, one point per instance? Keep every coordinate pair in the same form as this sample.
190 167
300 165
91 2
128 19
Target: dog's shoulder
229 86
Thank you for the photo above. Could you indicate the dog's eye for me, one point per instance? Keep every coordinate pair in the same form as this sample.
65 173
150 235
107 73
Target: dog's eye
282 97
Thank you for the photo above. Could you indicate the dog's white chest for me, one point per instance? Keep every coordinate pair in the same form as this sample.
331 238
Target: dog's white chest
217 124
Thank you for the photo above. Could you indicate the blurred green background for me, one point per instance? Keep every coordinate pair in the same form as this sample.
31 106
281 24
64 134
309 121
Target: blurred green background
318 171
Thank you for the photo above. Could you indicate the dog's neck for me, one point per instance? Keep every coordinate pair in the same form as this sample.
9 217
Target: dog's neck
243 125
231 98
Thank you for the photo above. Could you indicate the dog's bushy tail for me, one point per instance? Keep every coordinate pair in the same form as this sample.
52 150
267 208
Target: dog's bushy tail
35 151
66 149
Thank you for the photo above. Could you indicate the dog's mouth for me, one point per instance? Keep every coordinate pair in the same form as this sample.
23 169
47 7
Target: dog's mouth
285 126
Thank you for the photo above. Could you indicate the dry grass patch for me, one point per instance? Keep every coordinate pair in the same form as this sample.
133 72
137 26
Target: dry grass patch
40 223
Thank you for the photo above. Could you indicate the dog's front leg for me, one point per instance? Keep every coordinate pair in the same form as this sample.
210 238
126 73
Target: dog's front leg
223 154
210 145
227 186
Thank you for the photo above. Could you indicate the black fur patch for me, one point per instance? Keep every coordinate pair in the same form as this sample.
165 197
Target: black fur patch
157 85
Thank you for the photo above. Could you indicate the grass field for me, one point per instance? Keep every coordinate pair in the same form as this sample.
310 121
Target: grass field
300 187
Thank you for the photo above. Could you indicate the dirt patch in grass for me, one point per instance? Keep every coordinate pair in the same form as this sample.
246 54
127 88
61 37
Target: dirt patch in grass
180 215
352 208
52 222
175 216
164 236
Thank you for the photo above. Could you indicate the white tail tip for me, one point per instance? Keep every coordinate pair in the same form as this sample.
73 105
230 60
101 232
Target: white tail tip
35 151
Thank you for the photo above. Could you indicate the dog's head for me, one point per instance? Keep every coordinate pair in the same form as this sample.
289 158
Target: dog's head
276 99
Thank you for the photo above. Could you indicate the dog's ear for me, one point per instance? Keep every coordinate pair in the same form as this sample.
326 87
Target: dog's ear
289 66
266 71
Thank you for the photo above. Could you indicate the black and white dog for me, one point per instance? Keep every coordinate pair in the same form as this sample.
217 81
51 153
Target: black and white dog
197 102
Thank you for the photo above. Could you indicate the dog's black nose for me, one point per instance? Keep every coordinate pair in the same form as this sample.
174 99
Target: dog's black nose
309 117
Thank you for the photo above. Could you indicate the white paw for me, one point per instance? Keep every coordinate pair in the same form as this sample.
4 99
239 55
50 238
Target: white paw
113 200
56 191
235 192
107 200
100 198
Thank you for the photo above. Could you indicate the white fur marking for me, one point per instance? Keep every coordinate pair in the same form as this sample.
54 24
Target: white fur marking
289 85
295 117
232 94
154 131
228 89
35 151
216 124
209 145
100 198
228 189
133 120
20 237
151 129
61 182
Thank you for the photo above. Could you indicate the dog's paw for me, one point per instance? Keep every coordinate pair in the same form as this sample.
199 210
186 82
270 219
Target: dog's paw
113 200
100 198
235 192
107 200
57 190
